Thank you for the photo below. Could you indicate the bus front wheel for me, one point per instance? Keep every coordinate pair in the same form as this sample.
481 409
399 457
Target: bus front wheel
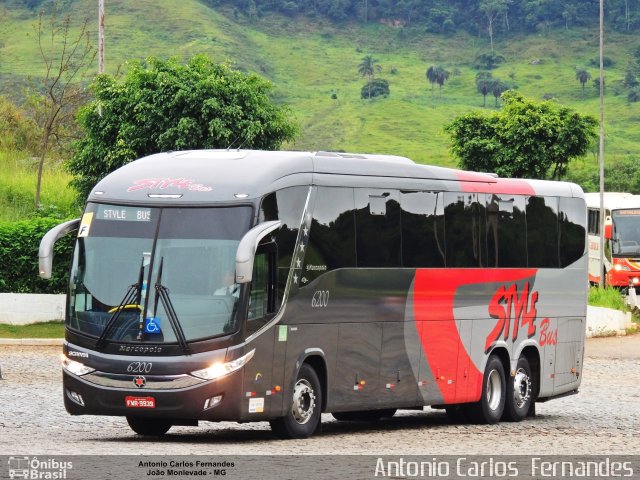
303 415
152 427
491 405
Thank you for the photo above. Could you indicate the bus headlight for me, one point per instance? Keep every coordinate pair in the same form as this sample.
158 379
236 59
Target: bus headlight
221 369
619 267
74 367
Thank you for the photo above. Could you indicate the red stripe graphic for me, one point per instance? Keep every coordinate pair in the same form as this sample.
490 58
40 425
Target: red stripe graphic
434 293
474 182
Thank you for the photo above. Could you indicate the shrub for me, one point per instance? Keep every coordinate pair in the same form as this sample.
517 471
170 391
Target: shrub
488 61
19 243
378 87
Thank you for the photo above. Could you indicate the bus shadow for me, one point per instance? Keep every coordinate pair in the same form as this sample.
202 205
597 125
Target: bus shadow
261 433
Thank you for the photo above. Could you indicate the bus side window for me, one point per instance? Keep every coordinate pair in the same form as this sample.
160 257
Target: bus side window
542 232
465 229
378 229
571 230
594 222
506 231
422 230
262 296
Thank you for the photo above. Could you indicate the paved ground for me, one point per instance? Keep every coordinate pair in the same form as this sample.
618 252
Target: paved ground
603 419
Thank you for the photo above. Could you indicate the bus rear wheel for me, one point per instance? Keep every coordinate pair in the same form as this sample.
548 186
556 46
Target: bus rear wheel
491 405
303 415
364 415
520 390
152 427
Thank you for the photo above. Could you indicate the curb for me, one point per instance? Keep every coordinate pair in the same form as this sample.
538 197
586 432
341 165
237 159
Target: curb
33 342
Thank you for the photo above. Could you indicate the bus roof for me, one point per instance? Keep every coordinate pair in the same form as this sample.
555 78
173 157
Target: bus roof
613 200
205 176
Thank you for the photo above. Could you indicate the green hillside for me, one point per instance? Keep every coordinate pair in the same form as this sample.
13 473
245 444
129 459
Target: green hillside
311 60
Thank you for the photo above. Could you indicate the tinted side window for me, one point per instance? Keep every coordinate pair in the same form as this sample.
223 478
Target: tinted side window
506 231
542 232
594 221
465 229
422 230
572 230
287 206
332 235
378 235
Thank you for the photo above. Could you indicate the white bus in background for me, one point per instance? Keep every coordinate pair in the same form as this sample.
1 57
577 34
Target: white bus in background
621 239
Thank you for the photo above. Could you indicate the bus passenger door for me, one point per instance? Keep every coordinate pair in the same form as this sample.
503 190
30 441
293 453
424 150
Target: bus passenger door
259 386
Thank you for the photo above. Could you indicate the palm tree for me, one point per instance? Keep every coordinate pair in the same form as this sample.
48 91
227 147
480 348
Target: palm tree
583 77
484 84
432 76
368 68
498 88
442 77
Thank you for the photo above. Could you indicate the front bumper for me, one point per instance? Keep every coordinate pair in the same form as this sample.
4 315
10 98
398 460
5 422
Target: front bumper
82 397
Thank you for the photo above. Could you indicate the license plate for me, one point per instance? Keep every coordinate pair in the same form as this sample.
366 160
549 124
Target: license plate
140 402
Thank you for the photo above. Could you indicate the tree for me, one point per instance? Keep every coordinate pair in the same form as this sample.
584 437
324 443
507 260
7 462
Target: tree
368 68
54 104
378 87
484 84
432 76
583 77
443 76
498 88
161 105
525 139
437 74
491 9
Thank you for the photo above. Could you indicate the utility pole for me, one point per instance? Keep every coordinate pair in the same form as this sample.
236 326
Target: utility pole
601 153
100 36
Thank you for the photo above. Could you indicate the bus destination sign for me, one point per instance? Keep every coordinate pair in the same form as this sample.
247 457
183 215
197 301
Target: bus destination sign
123 214
626 212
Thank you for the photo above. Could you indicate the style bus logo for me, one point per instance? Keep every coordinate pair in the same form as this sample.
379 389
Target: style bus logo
32 468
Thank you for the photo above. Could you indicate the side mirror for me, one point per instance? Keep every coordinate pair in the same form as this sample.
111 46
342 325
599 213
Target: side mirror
45 252
247 249
608 231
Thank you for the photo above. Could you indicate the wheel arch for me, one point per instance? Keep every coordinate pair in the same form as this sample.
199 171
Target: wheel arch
532 354
315 358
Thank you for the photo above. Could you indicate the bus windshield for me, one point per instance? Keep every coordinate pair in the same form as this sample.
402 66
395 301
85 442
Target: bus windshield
626 237
136 267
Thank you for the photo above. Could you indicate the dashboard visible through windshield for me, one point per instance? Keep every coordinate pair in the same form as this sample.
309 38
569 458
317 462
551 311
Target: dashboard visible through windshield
159 275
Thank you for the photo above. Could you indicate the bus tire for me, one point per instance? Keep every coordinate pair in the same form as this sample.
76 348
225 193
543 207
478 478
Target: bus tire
491 405
520 390
151 427
303 415
364 415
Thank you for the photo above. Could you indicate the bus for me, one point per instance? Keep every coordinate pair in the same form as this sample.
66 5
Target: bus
275 286
621 267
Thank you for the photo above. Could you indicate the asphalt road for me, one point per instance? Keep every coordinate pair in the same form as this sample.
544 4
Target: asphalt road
603 418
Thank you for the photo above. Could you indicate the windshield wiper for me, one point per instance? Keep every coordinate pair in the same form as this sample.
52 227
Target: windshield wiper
162 293
133 293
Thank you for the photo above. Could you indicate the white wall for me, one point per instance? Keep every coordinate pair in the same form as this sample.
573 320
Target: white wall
24 308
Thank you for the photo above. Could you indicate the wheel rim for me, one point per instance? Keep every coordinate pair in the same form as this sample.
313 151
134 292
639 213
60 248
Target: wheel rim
494 390
304 401
521 388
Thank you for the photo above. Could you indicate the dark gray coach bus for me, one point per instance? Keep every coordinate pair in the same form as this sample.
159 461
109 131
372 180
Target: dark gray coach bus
273 286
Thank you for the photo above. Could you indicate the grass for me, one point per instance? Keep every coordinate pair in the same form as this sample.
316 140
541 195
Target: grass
53 329
18 186
607 297
311 59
